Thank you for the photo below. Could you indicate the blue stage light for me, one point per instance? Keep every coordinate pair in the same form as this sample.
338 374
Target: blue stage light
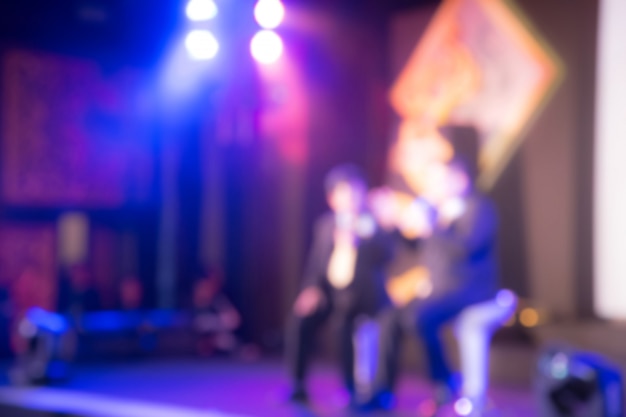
266 47
201 45
269 14
201 10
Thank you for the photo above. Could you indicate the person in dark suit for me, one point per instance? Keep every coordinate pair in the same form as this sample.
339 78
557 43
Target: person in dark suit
407 284
460 256
343 279
455 229
450 230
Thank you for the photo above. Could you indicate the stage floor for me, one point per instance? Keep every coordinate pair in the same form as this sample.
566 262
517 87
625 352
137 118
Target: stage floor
211 388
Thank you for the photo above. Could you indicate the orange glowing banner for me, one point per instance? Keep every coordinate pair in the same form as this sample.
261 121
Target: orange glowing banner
478 63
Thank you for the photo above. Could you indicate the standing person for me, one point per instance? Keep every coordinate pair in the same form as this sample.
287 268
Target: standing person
343 279
460 256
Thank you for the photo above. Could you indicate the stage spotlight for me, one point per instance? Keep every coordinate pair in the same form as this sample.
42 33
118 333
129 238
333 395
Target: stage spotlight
201 10
577 384
266 47
269 13
49 344
463 407
201 45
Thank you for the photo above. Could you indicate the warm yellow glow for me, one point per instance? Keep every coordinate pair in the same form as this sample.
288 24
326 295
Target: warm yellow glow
342 262
417 146
529 317
404 288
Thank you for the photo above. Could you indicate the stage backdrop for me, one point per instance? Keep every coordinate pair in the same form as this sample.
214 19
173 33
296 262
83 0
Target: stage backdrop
72 136
475 62
70 133
479 62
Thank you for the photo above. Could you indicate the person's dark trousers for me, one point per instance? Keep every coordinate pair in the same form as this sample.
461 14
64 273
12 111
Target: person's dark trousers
343 330
432 315
394 324
300 342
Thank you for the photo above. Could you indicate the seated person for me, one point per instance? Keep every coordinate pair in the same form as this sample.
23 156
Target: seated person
140 333
215 318
131 294
343 279
456 230
407 283
460 256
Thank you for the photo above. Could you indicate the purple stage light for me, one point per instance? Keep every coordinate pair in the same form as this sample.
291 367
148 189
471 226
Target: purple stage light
201 45
266 47
269 14
506 298
201 10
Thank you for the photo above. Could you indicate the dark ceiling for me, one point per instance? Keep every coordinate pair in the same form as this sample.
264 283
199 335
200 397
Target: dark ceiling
135 31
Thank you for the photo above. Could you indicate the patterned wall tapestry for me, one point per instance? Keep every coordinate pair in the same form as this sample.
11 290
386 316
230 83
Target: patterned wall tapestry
28 265
477 63
70 133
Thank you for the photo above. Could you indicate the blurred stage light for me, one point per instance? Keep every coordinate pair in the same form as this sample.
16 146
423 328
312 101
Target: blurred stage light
463 407
201 45
201 10
266 47
529 317
269 14
427 408
506 298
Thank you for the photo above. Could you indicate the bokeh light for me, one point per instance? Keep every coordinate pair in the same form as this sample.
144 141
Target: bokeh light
201 45
463 407
529 317
201 10
560 366
266 47
427 408
506 298
269 14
